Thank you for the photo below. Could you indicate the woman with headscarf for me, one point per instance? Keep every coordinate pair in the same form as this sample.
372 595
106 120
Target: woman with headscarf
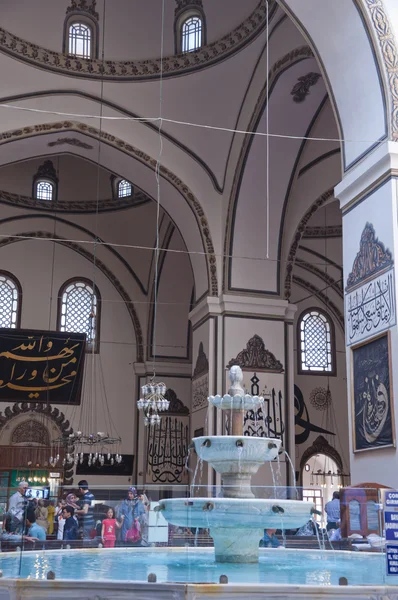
130 509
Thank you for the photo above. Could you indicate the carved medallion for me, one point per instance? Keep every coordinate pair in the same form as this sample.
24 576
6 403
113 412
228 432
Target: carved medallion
302 88
255 357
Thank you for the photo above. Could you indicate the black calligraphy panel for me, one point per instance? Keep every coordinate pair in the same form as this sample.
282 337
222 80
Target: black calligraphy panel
37 366
373 419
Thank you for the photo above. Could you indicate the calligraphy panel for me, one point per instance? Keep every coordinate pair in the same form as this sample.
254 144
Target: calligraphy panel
370 308
38 366
372 405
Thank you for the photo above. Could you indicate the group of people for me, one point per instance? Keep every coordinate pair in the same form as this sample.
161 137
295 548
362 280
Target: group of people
74 518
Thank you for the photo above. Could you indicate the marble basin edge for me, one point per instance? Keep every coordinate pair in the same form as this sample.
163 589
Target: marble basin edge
232 512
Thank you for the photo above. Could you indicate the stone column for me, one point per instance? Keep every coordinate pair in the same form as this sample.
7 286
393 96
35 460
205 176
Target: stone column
257 334
368 199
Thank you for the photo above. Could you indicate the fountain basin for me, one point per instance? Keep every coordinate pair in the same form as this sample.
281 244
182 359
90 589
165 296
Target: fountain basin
236 525
230 512
237 402
235 454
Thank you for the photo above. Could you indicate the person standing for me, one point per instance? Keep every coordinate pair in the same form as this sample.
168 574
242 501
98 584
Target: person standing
71 527
16 507
130 509
109 525
59 519
34 530
332 510
86 513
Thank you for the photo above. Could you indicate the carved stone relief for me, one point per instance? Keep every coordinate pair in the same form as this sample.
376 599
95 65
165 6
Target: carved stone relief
255 357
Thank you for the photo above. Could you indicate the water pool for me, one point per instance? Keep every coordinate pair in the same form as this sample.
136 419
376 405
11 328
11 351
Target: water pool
192 565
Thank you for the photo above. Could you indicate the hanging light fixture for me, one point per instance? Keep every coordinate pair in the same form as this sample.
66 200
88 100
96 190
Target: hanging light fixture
153 402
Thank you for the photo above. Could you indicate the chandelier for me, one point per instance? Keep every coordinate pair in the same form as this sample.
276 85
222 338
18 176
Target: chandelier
95 442
153 402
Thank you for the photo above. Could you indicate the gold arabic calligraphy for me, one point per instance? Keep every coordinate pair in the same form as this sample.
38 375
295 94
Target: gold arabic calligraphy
50 377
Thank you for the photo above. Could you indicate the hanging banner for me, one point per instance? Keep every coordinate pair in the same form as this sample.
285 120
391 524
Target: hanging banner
37 366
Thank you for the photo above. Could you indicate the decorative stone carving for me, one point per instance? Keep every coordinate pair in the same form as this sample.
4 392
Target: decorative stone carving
76 206
136 70
302 88
53 414
321 398
371 259
255 357
176 406
107 272
70 142
321 446
84 6
182 4
47 171
389 50
143 158
31 432
330 231
200 392
202 363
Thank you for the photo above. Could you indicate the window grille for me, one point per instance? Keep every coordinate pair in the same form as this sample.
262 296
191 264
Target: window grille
44 190
79 311
80 40
315 342
191 34
9 302
124 189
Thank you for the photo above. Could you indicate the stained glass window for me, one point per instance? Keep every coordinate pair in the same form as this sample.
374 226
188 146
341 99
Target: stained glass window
80 40
191 34
79 310
9 302
44 190
315 342
124 189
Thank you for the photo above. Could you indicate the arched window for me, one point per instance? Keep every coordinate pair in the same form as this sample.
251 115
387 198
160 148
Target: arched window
45 182
315 347
79 310
80 38
44 190
124 188
191 34
10 301
189 27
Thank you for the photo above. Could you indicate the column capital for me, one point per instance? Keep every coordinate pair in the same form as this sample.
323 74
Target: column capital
376 168
245 305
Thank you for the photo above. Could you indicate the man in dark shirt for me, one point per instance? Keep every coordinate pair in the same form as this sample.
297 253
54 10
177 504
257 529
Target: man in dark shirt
71 528
86 513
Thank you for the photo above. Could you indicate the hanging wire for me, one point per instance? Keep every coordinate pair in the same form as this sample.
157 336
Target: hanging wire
157 175
199 125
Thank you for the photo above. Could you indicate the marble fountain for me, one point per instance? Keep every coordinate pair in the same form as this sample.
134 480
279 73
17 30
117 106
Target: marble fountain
237 519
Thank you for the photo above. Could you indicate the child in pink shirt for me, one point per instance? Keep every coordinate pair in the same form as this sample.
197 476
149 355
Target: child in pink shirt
109 529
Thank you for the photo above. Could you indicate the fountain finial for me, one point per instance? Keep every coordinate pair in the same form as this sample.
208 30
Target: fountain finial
236 378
